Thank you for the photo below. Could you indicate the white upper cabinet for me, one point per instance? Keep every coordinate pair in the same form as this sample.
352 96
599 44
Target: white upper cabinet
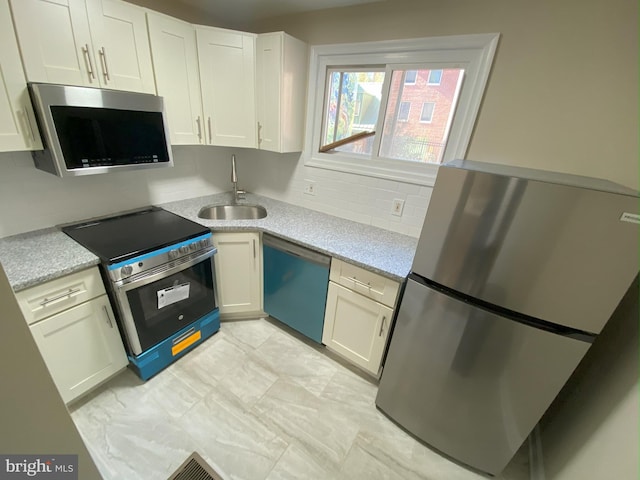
17 128
227 76
94 43
55 41
121 45
175 62
281 72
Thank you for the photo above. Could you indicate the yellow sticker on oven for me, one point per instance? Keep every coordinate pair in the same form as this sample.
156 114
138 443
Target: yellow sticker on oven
187 342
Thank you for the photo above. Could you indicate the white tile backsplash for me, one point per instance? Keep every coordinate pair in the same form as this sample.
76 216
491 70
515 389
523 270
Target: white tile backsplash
355 197
31 199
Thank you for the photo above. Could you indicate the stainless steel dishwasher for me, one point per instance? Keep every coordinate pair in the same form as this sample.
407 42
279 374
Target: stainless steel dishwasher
295 285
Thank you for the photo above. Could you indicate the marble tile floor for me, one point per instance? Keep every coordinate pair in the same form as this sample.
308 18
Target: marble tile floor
256 402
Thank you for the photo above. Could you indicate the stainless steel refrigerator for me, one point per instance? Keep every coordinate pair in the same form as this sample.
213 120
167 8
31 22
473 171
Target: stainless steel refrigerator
516 273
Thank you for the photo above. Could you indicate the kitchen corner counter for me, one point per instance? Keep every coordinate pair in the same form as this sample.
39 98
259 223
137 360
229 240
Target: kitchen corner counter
36 257
381 251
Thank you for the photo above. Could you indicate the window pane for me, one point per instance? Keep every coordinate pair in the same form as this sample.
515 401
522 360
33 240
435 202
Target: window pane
410 77
435 77
427 112
420 137
353 104
403 111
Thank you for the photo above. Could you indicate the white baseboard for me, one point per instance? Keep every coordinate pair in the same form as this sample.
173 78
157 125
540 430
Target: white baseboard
536 463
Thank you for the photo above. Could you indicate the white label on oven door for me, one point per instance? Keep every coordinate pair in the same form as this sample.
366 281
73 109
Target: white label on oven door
172 295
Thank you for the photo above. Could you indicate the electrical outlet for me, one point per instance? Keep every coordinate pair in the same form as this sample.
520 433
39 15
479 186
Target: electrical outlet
397 207
309 187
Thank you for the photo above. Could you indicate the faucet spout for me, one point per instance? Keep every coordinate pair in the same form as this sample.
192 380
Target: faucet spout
237 194
234 174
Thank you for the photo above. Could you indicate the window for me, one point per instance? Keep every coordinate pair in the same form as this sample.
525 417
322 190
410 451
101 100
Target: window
352 107
372 106
427 112
403 111
435 77
410 77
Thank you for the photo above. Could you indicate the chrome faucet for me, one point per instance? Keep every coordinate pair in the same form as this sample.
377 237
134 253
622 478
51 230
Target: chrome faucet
237 194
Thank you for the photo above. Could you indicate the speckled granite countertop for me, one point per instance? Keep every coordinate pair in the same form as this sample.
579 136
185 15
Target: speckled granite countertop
36 257
375 249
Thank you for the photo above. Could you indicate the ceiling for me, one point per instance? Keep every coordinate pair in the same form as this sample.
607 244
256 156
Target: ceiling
246 12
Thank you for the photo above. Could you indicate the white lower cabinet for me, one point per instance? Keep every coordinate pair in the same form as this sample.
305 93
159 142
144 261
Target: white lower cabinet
81 347
356 326
238 273
79 342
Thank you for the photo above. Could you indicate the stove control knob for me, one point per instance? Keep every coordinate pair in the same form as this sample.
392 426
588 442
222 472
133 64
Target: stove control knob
204 243
194 246
173 254
184 249
126 270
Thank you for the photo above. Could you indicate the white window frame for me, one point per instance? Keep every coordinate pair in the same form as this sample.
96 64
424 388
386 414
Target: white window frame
473 53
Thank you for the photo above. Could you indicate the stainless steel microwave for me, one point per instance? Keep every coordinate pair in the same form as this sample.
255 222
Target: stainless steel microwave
92 130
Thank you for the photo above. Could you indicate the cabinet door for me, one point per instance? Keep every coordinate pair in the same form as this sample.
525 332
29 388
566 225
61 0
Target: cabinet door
121 45
17 131
238 273
356 327
227 76
81 347
175 62
281 75
268 92
55 41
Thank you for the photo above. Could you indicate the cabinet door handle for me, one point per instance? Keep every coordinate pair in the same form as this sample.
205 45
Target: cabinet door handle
199 129
103 60
31 134
68 294
254 249
87 59
106 312
209 127
384 317
362 284
259 132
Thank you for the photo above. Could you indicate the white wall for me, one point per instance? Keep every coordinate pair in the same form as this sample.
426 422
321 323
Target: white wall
563 92
591 430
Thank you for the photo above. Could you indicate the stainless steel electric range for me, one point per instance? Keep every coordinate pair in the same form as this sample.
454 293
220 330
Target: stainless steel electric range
159 271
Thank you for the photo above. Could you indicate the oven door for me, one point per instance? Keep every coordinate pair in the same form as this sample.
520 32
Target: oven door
156 304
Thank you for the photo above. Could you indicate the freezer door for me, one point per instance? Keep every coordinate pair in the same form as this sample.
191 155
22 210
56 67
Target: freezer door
555 252
468 382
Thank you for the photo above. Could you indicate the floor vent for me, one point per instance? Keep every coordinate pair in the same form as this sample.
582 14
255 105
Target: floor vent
195 468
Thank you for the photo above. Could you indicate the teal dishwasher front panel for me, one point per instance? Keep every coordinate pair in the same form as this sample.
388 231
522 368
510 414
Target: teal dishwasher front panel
295 291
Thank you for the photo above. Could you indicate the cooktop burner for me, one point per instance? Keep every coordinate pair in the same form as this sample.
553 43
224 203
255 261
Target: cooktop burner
119 238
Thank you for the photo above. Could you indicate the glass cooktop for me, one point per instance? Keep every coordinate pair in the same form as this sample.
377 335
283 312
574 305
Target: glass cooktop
118 238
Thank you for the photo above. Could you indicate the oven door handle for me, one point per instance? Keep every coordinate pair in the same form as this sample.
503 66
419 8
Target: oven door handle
160 272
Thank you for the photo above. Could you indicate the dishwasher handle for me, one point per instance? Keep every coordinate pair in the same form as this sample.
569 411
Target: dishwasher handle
296 250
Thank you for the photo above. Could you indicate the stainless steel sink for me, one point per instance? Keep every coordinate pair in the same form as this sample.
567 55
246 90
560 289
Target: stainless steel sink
232 212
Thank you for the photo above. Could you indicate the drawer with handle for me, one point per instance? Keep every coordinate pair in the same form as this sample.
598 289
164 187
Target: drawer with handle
52 297
364 282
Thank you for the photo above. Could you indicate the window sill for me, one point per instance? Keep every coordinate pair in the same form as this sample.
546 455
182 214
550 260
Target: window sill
412 172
